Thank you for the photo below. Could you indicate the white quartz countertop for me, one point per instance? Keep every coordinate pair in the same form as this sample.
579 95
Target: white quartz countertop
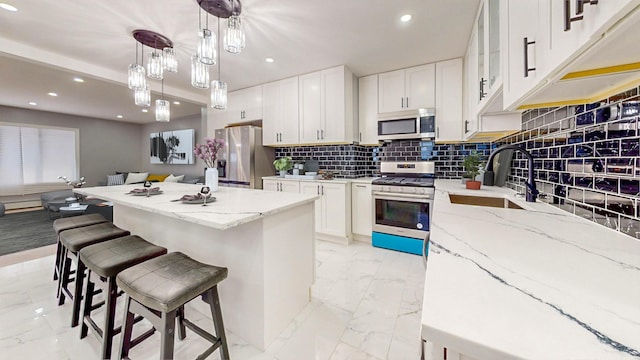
537 283
232 206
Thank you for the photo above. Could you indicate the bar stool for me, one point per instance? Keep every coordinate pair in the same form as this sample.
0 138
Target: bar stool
159 288
72 241
62 224
107 259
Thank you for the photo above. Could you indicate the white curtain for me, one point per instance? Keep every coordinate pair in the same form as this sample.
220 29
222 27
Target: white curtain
32 158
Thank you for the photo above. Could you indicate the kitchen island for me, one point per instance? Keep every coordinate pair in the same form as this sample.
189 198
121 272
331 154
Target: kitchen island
532 283
265 239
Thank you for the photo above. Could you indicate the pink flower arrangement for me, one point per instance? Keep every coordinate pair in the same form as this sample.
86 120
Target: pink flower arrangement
209 151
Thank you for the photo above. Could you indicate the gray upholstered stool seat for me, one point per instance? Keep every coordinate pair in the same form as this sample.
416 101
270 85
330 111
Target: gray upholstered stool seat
106 260
73 222
72 241
164 284
62 224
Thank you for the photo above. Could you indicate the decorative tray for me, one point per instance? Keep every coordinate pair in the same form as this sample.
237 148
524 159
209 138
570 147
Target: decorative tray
143 192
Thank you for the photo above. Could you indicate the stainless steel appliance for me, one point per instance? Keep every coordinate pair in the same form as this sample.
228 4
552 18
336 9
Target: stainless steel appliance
243 161
403 206
422 126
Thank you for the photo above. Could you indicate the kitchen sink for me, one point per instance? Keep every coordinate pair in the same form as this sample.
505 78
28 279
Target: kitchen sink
498 202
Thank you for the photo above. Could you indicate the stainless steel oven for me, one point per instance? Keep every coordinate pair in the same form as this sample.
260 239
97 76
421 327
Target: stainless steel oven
403 206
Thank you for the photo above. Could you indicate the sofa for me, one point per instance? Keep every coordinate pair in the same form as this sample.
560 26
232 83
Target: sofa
122 177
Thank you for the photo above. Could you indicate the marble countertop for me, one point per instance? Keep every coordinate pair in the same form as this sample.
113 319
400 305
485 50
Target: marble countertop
537 283
232 207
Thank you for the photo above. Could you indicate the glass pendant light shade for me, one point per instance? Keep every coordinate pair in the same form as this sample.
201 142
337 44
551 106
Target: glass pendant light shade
199 73
136 77
163 110
155 66
170 63
207 47
143 97
234 40
219 94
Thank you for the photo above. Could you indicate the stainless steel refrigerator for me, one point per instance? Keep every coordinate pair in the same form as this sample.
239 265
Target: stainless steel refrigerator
243 161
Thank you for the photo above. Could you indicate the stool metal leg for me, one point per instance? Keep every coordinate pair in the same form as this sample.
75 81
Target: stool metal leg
216 313
109 315
127 329
167 335
77 294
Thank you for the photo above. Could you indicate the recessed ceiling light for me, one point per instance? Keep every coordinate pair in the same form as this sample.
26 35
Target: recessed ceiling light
405 18
269 60
78 79
176 103
52 94
145 110
33 103
119 116
8 7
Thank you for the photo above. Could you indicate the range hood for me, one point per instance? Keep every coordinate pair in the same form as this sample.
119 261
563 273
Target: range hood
609 66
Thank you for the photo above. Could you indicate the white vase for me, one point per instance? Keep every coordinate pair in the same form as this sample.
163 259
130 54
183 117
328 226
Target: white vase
211 178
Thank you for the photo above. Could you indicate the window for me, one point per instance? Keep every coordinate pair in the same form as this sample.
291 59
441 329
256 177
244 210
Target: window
32 158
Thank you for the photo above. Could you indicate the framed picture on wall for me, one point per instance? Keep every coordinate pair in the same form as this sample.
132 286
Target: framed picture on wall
172 147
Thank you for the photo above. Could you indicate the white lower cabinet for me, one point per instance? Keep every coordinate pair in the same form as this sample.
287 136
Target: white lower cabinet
332 209
361 212
280 185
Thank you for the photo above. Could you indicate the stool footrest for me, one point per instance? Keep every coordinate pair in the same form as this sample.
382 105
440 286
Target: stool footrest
142 337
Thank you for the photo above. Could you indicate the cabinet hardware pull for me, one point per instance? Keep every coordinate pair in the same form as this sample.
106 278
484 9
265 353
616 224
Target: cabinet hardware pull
317 134
407 102
402 102
361 186
567 16
466 126
321 189
483 81
438 131
580 5
526 57
321 134
280 136
318 190
360 137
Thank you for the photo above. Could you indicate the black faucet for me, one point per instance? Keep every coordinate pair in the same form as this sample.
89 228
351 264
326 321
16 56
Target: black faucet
532 192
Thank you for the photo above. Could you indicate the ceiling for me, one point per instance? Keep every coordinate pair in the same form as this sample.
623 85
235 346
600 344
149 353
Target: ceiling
45 44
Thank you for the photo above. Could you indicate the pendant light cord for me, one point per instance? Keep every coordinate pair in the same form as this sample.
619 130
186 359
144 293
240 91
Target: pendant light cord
219 53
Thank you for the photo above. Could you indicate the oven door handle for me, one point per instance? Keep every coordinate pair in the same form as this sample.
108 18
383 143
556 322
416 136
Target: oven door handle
391 196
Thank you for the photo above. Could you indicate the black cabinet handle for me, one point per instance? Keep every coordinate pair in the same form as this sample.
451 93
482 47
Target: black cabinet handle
466 126
526 56
407 102
321 134
483 82
567 16
402 102
580 5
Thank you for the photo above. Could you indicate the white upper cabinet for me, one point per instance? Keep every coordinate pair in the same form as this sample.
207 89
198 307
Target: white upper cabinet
280 112
326 106
448 103
368 110
488 45
245 105
580 51
407 89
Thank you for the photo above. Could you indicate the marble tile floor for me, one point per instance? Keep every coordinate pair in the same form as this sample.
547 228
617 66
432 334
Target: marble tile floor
365 304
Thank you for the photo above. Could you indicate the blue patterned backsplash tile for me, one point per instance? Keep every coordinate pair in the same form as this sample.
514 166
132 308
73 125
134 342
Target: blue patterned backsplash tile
354 161
587 159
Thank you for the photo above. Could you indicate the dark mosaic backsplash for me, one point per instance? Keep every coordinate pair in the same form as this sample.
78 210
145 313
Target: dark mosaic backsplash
345 161
587 159
354 161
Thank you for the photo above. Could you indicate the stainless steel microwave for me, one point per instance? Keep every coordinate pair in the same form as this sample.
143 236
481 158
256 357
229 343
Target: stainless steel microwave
422 126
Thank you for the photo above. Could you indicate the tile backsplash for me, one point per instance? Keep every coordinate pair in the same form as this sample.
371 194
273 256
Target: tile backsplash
354 161
587 159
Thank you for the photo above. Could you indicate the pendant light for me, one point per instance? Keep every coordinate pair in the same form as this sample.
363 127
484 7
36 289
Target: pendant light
219 87
170 63
234 39
155 67
199 73
163 108
207 43
142 97
136 75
